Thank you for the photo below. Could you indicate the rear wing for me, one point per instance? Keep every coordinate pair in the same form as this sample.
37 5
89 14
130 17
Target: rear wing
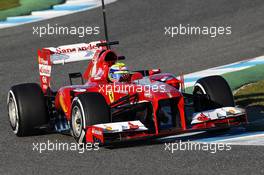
65 54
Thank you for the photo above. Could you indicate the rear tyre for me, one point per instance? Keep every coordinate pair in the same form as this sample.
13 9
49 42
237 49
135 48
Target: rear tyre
212 92
27 109
88 109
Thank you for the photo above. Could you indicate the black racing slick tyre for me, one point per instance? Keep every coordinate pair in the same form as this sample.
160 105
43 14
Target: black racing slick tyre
27 109
212 92
88 109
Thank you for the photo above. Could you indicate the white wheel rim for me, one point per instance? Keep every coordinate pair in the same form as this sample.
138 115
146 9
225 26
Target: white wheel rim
77 123
13 112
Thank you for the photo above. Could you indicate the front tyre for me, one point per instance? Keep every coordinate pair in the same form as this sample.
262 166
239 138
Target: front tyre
212 92
88 109
27 109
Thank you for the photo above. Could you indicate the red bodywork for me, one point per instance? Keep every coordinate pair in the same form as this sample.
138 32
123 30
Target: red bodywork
96 76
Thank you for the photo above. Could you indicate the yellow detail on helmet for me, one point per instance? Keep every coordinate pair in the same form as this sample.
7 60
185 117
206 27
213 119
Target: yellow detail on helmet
116 71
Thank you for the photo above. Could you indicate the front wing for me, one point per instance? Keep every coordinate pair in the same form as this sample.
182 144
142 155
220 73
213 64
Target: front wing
129 130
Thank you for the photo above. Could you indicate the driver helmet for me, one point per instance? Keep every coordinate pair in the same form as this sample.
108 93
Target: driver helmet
117 71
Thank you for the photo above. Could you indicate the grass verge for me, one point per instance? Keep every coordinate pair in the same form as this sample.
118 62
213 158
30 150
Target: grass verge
27 6
7 4
250 75
250 95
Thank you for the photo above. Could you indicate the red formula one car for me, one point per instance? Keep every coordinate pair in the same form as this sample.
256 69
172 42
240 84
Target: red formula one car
144 103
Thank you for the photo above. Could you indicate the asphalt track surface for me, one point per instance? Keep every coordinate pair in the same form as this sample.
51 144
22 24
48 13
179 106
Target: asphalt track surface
139 26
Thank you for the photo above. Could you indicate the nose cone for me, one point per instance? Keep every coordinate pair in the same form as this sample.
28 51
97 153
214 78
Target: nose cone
157 89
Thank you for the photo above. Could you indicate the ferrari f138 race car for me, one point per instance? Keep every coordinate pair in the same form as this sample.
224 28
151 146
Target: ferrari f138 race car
145 103
113 103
